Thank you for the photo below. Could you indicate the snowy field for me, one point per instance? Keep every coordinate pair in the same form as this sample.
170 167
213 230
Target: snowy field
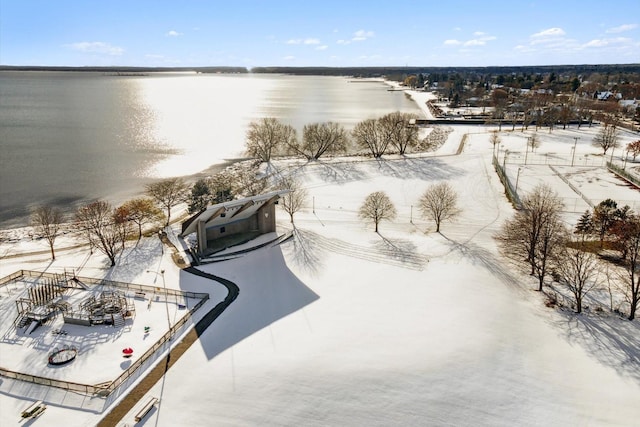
344 326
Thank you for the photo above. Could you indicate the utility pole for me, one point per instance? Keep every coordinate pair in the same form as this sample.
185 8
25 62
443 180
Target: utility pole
573 156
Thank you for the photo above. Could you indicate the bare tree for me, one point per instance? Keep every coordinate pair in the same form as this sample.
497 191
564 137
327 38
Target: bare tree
268 137
577 269
535 232
249 183
47 221
607 137
222 186
140 211
321 138
103 233
370 135
566 114
533 142
494 139
295 199
630 229
634 149
439 203
121 224
377 207
400 129
168 193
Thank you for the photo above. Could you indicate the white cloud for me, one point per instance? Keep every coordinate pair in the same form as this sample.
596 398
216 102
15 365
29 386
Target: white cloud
289 58
322 47
97 47
550 32
457 29
154 56
173 33
309 41
481 39
343 41
622 28
362 35
475 42
607 42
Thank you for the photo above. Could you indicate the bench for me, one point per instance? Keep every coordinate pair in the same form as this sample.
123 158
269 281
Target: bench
145 409
34 410
140 295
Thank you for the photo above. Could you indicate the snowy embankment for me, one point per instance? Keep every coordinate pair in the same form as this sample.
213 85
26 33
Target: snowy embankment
344 326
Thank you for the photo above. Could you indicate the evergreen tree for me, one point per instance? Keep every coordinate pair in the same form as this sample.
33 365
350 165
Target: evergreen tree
585 223
200 196
604 215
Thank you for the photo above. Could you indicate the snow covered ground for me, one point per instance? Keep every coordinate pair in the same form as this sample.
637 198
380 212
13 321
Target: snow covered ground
344 326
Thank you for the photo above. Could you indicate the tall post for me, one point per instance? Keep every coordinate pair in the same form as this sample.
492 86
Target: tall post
526 151
612 150
573 156
166 304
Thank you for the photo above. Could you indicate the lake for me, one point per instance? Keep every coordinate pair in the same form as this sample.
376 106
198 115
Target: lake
70 137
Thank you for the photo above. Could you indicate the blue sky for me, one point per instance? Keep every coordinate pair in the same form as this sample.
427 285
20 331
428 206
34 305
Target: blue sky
320 33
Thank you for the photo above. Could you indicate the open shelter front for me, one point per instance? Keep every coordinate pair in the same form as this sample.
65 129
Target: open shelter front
231 223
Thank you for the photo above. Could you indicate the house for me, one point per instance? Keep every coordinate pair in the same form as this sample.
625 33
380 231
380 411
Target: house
232 223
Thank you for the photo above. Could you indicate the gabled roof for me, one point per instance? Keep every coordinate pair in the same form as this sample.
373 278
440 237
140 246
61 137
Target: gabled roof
226 212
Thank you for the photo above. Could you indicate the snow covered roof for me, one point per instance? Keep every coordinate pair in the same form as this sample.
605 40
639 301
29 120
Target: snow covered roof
234 210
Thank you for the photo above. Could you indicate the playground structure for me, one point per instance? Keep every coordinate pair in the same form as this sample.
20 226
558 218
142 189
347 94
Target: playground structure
34 298
110 308
46 301
62 356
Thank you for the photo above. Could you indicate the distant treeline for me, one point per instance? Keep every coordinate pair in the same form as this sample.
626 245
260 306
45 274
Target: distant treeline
125 69
354 71
390 71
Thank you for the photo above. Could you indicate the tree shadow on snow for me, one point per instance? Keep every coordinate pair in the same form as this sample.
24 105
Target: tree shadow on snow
263 298
426 169
612 340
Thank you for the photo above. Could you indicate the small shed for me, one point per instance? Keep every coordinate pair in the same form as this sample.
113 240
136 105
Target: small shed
230 223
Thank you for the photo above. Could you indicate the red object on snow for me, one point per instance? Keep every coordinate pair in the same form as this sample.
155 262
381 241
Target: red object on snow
128 351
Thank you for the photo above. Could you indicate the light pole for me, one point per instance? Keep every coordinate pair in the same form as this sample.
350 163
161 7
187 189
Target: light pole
573 155
613 148
517 179
166 300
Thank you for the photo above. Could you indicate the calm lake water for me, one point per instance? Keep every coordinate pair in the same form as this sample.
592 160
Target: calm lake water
69 137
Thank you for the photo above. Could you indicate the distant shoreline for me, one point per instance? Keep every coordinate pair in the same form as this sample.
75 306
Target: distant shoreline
344 71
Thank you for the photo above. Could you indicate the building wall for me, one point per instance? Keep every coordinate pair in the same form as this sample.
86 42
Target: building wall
266 218
242 226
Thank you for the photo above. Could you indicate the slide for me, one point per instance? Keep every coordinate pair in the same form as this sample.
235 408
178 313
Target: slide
32 326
